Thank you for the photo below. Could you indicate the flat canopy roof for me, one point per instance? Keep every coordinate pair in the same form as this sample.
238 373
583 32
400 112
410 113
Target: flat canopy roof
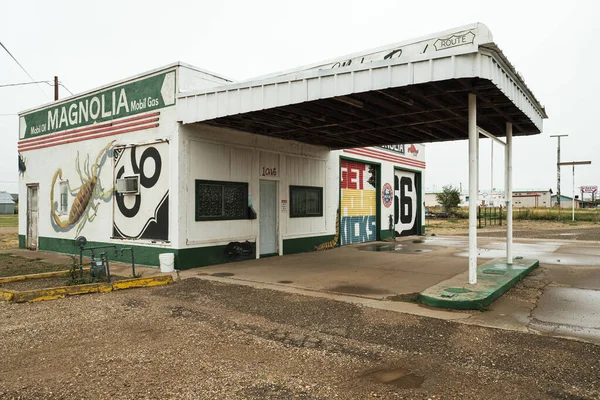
409 92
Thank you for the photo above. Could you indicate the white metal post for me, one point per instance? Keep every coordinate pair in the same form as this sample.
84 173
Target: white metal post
473 187
492 173
509 193
573 192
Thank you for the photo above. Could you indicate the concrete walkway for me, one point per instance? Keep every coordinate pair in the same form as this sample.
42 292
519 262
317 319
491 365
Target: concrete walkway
376 271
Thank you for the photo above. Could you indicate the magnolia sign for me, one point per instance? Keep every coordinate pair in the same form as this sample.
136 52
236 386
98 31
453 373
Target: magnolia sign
398 148
143 95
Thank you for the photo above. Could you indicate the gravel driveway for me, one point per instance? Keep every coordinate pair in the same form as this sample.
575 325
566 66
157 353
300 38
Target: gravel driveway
199 339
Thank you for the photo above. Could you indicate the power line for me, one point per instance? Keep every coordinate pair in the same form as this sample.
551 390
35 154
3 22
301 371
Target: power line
24 70
66 88
24 83
36 82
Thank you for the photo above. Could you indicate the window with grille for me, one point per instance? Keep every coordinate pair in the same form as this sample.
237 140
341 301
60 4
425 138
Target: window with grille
64 199
217 200
306 201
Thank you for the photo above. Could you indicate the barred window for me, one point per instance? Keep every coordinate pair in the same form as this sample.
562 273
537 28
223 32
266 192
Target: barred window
64 196
306 201
217 200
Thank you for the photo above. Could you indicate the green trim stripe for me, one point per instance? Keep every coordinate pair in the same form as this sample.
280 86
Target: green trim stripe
303 245
144 255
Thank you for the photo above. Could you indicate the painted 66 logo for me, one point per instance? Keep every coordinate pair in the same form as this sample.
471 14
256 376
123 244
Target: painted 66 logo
143 215
387 195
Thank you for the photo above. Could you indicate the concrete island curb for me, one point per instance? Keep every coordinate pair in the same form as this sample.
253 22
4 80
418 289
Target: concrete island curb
494 278
29 296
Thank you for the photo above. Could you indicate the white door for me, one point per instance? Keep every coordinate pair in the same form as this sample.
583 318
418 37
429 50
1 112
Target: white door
268 217
32 217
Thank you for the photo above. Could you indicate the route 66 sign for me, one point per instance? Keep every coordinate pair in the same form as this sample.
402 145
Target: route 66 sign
145 214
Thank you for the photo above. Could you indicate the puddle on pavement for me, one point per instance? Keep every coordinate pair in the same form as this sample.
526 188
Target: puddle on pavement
222 274
400 377
285 281
543 257
356 289
445 242
566 311
380 247
397 248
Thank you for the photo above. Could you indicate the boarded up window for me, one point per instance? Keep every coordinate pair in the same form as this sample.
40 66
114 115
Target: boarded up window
217 200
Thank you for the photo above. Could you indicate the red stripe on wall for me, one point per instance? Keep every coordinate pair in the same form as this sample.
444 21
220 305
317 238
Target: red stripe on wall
79 139
86 133
53 136
386 154
386 157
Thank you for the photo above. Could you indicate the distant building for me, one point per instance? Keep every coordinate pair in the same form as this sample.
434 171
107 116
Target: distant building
522 198
530 198
7 205
567 202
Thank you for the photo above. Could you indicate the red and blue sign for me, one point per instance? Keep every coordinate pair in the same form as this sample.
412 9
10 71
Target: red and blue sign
387 195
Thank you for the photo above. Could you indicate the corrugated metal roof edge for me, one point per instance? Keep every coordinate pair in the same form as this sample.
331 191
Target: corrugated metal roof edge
493 47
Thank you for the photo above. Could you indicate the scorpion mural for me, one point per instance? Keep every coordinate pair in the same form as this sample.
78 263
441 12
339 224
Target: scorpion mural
85 195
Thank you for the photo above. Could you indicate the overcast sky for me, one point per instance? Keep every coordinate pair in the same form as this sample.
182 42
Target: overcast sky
88 44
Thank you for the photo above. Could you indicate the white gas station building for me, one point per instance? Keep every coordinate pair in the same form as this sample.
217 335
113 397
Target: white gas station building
184 161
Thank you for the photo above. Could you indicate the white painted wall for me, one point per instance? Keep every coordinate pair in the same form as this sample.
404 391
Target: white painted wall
201 152
222 154
43 163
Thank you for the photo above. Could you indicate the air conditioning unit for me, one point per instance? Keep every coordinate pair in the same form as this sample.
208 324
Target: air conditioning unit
128 185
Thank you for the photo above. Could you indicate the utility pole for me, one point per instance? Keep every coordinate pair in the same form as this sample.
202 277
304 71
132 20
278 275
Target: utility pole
574 163
558 171
56 89
492 173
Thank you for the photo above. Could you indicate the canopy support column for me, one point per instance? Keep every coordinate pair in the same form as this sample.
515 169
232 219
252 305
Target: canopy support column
473 186
509 193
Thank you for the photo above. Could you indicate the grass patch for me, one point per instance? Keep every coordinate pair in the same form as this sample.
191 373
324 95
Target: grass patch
11 265
9 220
553 214
56 281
